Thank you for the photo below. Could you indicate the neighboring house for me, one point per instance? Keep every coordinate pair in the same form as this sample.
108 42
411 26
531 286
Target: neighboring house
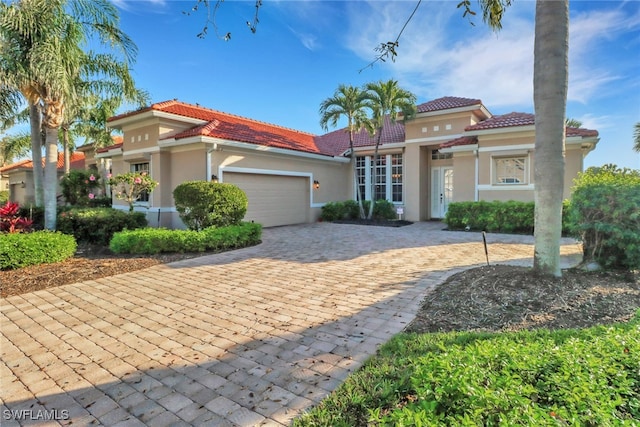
20 177
453 150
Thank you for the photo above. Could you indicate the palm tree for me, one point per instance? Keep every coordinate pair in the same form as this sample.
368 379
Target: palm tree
636 138
386 100
347 101
13 146
550 83
54 67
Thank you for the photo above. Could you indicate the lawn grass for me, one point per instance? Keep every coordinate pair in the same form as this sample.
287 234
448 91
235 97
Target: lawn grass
586 377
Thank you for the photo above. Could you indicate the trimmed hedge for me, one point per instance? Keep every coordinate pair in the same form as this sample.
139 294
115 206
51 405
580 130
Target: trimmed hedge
335 211
496 216
156 240
23 249
97 225
203 204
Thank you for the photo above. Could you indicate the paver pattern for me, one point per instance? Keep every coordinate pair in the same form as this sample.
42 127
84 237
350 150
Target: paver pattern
243 338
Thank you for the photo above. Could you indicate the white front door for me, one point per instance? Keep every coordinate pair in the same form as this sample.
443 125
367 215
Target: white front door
441 190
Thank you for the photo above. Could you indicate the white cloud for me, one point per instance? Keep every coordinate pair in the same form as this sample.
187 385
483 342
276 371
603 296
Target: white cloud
308 40
441 55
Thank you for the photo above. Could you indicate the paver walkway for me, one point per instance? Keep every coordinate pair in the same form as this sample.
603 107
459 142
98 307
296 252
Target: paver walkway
249 337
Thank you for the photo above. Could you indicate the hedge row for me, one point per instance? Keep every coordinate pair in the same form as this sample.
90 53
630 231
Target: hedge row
39 247
335 211
97 225
496 216
156 240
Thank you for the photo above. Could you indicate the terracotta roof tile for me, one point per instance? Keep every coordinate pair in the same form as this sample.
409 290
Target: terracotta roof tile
447 103
77 162
463 140
337 142
235 128
503 121
109 148
570 131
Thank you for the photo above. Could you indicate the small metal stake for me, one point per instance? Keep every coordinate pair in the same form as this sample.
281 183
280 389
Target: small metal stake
486 251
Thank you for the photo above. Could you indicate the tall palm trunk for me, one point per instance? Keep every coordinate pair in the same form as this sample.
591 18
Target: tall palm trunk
374 173
35 119
355 172
550 97
52 120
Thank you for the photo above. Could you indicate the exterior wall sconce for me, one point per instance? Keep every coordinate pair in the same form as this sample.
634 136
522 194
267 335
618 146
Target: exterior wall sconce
316 184
22 184
214 178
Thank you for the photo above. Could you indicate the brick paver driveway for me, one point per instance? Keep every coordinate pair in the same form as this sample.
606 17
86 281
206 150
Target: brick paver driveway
249 337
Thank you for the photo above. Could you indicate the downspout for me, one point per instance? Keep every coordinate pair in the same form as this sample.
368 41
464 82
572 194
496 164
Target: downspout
476 192
213 148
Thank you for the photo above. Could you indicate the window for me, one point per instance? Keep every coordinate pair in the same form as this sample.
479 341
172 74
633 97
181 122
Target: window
381 179
510 170
361 163
396 178
388 177
141 167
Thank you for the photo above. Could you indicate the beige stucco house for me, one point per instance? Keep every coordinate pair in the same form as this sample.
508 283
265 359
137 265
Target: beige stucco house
453 150
19 177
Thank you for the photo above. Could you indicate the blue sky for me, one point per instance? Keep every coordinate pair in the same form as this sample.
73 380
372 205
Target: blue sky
303 50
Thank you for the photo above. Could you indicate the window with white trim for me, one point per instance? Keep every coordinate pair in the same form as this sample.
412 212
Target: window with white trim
510 170
141 167
389 177
361 164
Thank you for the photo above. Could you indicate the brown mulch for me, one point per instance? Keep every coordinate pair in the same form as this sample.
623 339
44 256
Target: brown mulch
508 298
491 298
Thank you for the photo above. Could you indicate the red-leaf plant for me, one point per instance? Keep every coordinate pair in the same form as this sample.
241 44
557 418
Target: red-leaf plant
11 221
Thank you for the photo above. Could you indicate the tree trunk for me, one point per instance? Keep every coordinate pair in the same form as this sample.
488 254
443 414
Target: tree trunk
35 120
550 83
373 175
51 178
52 120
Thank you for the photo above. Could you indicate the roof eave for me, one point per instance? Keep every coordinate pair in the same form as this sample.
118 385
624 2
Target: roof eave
500 130
135 117
474 107
459 148
172 142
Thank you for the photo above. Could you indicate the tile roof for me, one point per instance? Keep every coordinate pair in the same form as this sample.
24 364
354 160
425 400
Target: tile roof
570 131
463 140
109 148
447 103
503 121
232 127
337 142
77 162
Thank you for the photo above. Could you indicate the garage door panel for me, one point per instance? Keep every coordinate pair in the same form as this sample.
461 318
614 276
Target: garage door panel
273 199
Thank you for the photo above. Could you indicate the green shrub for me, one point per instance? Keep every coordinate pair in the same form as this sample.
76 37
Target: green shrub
4 197
384 209
39 247
585 377
335 211
496 216
97 225
79 187
100 202
203 204
35 214
154 240
605 214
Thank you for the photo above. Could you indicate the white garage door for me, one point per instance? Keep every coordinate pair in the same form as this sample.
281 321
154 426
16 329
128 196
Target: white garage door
273 199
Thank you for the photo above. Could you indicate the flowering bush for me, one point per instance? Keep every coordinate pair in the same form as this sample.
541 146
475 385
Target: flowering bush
130 186
11 221
79 187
